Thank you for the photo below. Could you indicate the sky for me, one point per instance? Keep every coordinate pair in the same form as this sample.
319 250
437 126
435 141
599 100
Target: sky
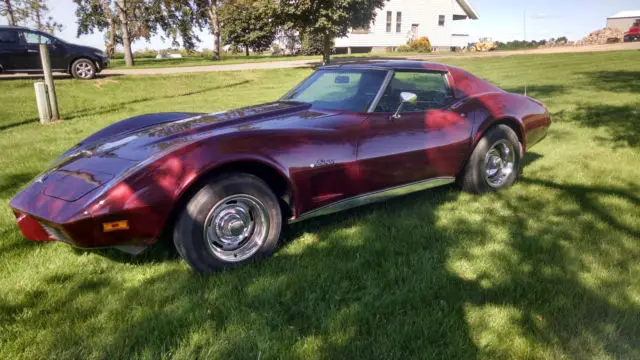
501 20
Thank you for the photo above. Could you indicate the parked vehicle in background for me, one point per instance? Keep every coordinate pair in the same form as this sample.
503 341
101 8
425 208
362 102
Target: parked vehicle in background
633 34
20 53
224 183
485 44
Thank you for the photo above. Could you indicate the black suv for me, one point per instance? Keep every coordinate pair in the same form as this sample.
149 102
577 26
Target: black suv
20 53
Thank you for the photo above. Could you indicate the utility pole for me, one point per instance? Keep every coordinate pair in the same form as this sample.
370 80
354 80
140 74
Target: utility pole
524 22
48 79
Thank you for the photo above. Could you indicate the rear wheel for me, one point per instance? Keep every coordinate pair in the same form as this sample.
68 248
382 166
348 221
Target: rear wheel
494 163
83 69
232 220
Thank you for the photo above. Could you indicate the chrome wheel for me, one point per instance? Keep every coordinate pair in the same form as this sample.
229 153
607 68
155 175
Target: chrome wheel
236 227
499 163
84 70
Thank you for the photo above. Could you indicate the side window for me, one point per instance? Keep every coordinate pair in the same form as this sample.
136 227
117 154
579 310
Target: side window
34 38
8 37
431 88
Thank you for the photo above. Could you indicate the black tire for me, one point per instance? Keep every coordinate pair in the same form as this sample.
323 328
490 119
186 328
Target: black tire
215 204
475 178
83 69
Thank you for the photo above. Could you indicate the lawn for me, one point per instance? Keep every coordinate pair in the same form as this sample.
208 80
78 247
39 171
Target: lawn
547 269
144 63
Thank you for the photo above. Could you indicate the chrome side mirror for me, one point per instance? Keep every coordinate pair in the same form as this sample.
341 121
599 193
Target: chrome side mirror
405 98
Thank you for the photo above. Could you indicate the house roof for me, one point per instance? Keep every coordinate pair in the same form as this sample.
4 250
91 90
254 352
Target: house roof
626 14
466 6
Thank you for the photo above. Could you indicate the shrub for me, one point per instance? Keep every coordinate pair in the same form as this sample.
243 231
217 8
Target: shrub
421 44
403 48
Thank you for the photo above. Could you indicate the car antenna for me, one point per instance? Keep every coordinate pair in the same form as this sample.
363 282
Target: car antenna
525 89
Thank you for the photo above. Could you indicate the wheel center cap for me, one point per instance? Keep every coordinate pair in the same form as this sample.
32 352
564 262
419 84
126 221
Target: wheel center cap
235 227
496 162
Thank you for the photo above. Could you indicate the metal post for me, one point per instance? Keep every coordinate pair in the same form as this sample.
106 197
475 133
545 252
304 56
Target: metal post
48 79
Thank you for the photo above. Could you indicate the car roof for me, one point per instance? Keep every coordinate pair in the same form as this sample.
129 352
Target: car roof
12 27
391 64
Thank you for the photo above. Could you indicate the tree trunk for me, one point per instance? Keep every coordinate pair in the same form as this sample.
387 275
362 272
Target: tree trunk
326 49
215 28
10 15
111 32
38 20
246 50
121 8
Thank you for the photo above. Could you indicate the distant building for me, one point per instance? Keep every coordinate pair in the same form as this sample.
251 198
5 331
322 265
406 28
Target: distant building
623 20
444 22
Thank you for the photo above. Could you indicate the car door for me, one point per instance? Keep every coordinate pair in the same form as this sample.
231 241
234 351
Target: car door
32 58
426 140
11 49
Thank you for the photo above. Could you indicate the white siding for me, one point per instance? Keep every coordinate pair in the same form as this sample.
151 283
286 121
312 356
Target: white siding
425 13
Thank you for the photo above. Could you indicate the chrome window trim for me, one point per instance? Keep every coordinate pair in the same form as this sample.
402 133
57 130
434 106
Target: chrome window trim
445 75
375 196
381 91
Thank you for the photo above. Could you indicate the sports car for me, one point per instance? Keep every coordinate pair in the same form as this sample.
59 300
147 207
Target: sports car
223 184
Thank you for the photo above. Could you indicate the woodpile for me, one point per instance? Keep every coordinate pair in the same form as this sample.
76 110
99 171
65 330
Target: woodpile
603 36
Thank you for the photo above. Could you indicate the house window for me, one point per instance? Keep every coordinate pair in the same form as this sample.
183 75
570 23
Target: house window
398 21
441 20
389 21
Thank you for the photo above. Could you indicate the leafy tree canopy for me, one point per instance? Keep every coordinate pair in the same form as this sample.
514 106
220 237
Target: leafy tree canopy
250 24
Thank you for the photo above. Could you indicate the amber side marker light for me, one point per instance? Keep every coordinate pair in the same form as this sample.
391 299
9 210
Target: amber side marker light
115 226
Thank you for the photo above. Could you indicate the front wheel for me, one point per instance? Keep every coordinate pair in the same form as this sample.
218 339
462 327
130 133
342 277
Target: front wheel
494 163
232 220
83 69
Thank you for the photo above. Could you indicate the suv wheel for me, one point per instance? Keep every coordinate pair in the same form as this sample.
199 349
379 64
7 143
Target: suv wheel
83 69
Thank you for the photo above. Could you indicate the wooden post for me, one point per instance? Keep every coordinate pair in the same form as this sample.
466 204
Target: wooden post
48 79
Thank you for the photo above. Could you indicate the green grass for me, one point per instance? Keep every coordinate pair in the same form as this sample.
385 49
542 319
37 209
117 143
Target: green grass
144 63
548 269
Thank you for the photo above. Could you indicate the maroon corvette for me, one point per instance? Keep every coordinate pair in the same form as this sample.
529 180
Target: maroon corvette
222 184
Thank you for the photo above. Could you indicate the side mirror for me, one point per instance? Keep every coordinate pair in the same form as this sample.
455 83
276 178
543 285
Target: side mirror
405 98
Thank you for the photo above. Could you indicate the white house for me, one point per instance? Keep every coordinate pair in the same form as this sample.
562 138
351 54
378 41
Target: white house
444 22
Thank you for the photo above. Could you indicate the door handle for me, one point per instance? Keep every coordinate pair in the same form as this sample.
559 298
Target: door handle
32 51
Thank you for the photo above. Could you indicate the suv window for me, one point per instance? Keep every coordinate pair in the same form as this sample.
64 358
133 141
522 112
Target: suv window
8 37
35 38
431 88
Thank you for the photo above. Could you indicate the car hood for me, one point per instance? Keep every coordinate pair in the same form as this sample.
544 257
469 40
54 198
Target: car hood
99 160
163 133
83 48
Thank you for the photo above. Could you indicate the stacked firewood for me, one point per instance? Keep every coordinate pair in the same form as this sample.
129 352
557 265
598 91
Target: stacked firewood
603 36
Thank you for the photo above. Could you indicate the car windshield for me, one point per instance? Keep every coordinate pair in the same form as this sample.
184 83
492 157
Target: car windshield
339 89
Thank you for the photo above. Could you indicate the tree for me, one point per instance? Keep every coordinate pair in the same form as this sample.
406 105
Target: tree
126 21
208 12
250 24
36 13
98 15
8 9
329 18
